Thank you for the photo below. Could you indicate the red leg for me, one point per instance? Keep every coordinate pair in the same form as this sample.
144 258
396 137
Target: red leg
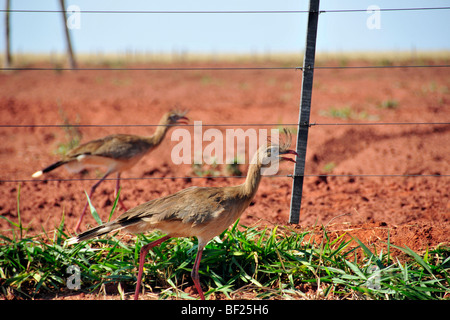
194 273
117 191
142 254
77 228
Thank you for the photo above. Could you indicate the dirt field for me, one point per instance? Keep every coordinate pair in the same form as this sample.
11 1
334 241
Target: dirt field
414 211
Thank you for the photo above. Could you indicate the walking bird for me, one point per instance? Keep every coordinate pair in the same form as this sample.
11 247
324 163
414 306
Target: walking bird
116 153
202 212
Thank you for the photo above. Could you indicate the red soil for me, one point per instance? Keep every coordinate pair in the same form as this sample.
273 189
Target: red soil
413 210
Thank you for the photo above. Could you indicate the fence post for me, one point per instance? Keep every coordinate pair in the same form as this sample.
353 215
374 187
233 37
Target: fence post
305 107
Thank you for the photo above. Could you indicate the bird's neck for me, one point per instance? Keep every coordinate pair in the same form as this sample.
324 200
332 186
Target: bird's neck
252 180
159 134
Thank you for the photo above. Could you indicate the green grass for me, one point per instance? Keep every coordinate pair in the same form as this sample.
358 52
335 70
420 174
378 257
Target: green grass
233 168
73 135
388 104
347 113
268 263
329 167
206 170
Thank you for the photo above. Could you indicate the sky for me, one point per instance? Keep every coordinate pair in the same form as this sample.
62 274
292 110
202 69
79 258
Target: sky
224 32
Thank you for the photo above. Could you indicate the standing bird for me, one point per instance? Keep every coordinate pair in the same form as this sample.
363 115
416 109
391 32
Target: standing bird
116 153
202 212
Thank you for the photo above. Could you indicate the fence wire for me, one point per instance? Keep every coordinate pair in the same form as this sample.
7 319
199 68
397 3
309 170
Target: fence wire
296 68
231 177
219 12
224 125
218 68
149 69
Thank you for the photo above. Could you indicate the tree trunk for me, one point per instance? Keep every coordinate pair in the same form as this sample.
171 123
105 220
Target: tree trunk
8 58
72 61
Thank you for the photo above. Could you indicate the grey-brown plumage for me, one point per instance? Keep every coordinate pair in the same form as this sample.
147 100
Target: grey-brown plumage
202 212
116 153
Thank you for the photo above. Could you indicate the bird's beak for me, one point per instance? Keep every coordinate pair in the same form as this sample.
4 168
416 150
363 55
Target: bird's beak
289 152
183 120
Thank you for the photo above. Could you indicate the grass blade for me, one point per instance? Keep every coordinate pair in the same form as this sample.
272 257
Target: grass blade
18 212
114 205
370 253
93 211
416 257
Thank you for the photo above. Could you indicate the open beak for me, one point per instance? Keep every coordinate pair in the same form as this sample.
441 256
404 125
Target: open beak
289 152
183 120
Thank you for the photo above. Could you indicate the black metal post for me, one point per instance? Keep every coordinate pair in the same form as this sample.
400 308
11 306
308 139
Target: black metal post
305 108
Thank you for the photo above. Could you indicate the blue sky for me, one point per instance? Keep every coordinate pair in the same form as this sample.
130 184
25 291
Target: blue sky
228 33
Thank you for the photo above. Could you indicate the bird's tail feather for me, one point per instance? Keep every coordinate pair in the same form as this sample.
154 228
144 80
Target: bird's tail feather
53 166
49 168
96 232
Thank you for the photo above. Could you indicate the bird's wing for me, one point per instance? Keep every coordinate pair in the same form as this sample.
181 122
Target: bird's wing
193 205
88 148
117 146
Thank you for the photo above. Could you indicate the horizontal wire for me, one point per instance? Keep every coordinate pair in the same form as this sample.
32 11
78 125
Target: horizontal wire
383 67
236 177
216 11
155 11
221 125
218 68
379 124
148 69
383 9
372 175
